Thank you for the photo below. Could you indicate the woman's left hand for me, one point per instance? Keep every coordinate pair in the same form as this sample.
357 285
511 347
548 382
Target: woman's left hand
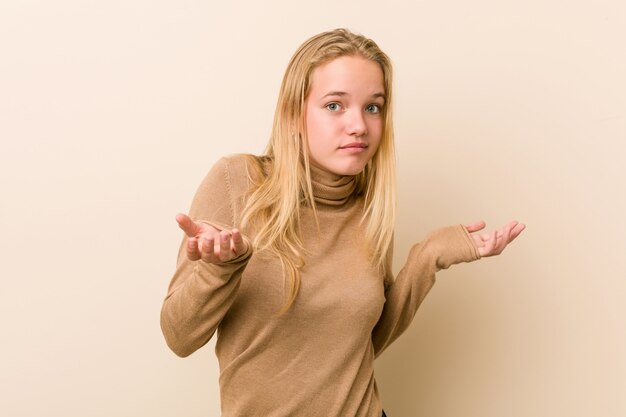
491 244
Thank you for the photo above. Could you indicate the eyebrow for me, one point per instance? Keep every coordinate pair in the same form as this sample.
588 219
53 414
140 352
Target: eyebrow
343 93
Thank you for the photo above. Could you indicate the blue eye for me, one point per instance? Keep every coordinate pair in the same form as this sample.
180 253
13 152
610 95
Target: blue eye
373 108
333 106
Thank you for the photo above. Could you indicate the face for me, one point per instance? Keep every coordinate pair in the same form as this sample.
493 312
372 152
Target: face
344 114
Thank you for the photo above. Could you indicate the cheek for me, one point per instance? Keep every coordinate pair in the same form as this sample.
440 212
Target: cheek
376 129
376 132
315 135
321 129
313 124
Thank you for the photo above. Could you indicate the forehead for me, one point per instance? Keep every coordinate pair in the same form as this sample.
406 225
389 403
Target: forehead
349 74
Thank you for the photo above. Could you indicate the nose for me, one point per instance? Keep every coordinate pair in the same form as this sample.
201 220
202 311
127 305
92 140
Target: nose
355 123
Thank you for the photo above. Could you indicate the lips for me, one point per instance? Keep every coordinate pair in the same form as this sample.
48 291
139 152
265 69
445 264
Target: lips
354 145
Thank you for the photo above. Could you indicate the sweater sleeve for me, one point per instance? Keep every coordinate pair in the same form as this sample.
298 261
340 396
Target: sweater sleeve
440 250
201 293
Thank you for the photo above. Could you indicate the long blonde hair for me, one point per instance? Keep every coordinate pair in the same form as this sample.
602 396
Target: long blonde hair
274 206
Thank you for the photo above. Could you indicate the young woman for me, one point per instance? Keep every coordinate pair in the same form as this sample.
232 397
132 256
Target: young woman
288 255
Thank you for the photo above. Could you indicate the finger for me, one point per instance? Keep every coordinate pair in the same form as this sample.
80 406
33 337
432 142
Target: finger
516 231
208 250
507 232
503 239
513 223
475 226
513 229
189 226
493 242
239 246
225 252
193 253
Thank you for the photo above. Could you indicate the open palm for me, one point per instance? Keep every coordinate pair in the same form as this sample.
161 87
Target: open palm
493 243
209 244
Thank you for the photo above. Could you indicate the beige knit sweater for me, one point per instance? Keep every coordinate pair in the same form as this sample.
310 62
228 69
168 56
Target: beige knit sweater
316 360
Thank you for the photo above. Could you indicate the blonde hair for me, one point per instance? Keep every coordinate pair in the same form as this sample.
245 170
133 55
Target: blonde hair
274 206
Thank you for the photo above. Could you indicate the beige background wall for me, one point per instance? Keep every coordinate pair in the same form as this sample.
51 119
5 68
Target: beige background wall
112 112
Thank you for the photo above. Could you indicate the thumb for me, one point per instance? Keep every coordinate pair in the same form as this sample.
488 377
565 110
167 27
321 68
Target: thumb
190 228
476 226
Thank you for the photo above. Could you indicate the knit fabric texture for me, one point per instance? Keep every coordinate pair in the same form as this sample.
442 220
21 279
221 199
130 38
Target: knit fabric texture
317 359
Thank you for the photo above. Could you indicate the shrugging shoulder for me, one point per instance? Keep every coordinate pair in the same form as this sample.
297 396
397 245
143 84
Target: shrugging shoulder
200 294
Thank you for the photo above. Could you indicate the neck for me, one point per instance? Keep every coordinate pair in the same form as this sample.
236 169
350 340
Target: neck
329 188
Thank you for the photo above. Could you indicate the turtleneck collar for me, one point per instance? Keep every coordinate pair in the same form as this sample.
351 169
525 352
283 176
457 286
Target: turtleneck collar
331 189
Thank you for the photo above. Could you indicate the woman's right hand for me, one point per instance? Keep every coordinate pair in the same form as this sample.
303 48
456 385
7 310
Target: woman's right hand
210 244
